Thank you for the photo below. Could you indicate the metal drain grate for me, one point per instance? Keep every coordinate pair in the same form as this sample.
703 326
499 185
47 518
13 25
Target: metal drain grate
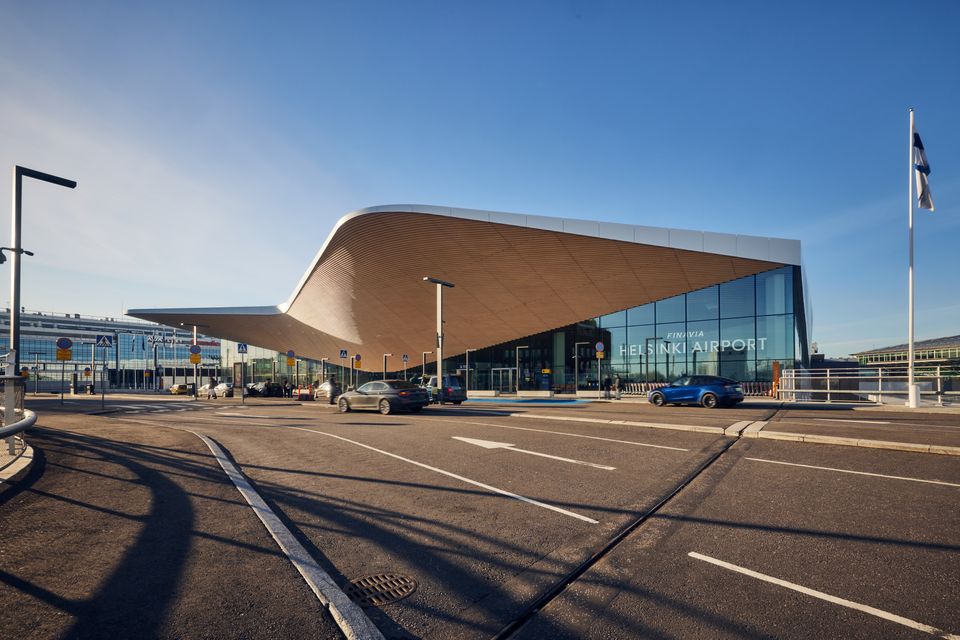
381 589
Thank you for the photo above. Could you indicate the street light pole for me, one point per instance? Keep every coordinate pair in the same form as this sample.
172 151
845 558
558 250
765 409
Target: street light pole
526 346
440 286
385 356
576 366
18 174
323 369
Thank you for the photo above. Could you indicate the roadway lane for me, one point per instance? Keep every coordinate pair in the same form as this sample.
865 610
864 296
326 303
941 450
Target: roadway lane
122 531
349 487
889 543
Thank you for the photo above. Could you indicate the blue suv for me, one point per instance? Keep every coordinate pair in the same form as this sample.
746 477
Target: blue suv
707 391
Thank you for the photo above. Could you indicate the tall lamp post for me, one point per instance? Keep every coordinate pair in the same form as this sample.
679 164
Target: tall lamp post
19 173
468 368
526 346
323 370
441 284
385 356
576 366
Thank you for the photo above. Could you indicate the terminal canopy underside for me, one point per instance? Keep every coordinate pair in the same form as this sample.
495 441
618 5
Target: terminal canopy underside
365 291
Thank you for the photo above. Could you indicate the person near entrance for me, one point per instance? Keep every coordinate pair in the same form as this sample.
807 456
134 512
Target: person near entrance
617 386
606 388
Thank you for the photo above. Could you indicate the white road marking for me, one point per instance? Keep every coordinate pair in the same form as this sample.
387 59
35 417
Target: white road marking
458 477
487 444
859 473
919 626
842 420
349 616
559 433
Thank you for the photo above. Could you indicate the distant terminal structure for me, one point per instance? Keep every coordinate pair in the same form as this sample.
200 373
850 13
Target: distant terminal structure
928 353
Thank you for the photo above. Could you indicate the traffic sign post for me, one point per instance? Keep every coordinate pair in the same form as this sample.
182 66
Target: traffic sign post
64 353
405 359
600 348
291 358
355 366
242 350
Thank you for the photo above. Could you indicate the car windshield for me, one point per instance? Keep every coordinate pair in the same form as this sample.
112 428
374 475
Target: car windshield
452 381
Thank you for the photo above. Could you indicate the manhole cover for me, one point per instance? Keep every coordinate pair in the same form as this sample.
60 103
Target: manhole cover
381 589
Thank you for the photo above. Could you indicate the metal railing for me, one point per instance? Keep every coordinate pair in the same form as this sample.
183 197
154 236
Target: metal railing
938 385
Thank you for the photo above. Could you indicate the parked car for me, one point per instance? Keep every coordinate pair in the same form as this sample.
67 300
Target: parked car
323 392
224 390
385 396
453 390
179 389
707 391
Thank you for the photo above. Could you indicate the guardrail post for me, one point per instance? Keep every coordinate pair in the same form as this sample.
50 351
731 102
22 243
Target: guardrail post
829 397
879 386
939 388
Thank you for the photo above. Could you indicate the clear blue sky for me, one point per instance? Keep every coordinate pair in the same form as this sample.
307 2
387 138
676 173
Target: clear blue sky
216 143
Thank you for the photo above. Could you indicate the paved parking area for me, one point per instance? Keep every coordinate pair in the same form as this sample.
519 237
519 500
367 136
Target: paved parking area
516 524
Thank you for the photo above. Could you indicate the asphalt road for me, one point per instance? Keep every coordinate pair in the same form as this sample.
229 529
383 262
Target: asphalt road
129 528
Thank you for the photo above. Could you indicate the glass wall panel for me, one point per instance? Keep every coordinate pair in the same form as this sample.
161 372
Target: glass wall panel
703 304
615 319
671 310
641 351
641 315
702 342
775 291
775 337
618 348
738 347
738 298
670 349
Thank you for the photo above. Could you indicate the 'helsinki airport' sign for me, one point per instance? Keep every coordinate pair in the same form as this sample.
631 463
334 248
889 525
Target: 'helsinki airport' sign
671 344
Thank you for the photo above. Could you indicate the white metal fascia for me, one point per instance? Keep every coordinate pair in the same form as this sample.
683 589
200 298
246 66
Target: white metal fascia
739 246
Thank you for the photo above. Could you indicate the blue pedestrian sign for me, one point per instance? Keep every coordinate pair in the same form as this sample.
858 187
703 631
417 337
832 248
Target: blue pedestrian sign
241 347
195 349
599 346
105 341
343 353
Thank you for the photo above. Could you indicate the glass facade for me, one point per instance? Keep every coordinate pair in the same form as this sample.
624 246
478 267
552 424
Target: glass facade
736 329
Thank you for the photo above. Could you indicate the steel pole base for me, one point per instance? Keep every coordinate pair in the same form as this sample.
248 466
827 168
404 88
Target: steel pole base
913 397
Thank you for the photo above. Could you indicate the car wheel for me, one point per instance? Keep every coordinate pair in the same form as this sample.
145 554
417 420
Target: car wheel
385 407
709 400
657 400
343 405
458 402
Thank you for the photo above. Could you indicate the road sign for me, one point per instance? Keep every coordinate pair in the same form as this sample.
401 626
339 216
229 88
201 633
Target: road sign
25 372
104 341
599 346
86 372
357 358
599 355
544 370
241 347
64 343
64 354
195 349
343 353
405 358
194 358
291 354
291 362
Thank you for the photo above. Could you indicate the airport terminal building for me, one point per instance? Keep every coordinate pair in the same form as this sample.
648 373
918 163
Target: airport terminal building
532 298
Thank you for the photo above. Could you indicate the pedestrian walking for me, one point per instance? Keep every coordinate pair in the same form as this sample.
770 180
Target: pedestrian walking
287 389
617 386
606 388
212 389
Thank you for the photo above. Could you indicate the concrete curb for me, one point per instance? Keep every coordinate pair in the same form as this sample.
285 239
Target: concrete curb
856 442
19 467
628 423
349 617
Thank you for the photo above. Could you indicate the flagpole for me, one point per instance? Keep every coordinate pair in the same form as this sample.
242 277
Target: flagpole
913 400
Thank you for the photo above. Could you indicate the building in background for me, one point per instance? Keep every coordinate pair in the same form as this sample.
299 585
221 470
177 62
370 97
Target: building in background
938 352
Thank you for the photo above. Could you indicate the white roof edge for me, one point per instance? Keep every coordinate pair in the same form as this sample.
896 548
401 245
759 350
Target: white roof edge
268 310
764 248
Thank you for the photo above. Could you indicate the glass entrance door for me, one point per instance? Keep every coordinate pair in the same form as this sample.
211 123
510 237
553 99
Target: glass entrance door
503 380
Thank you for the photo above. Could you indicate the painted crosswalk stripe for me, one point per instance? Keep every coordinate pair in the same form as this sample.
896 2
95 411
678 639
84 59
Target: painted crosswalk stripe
913 624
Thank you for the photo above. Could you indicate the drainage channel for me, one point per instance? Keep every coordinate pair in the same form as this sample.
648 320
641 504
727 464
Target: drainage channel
557 589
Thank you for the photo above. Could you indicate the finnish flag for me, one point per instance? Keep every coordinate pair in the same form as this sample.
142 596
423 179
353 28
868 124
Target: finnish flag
922 170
